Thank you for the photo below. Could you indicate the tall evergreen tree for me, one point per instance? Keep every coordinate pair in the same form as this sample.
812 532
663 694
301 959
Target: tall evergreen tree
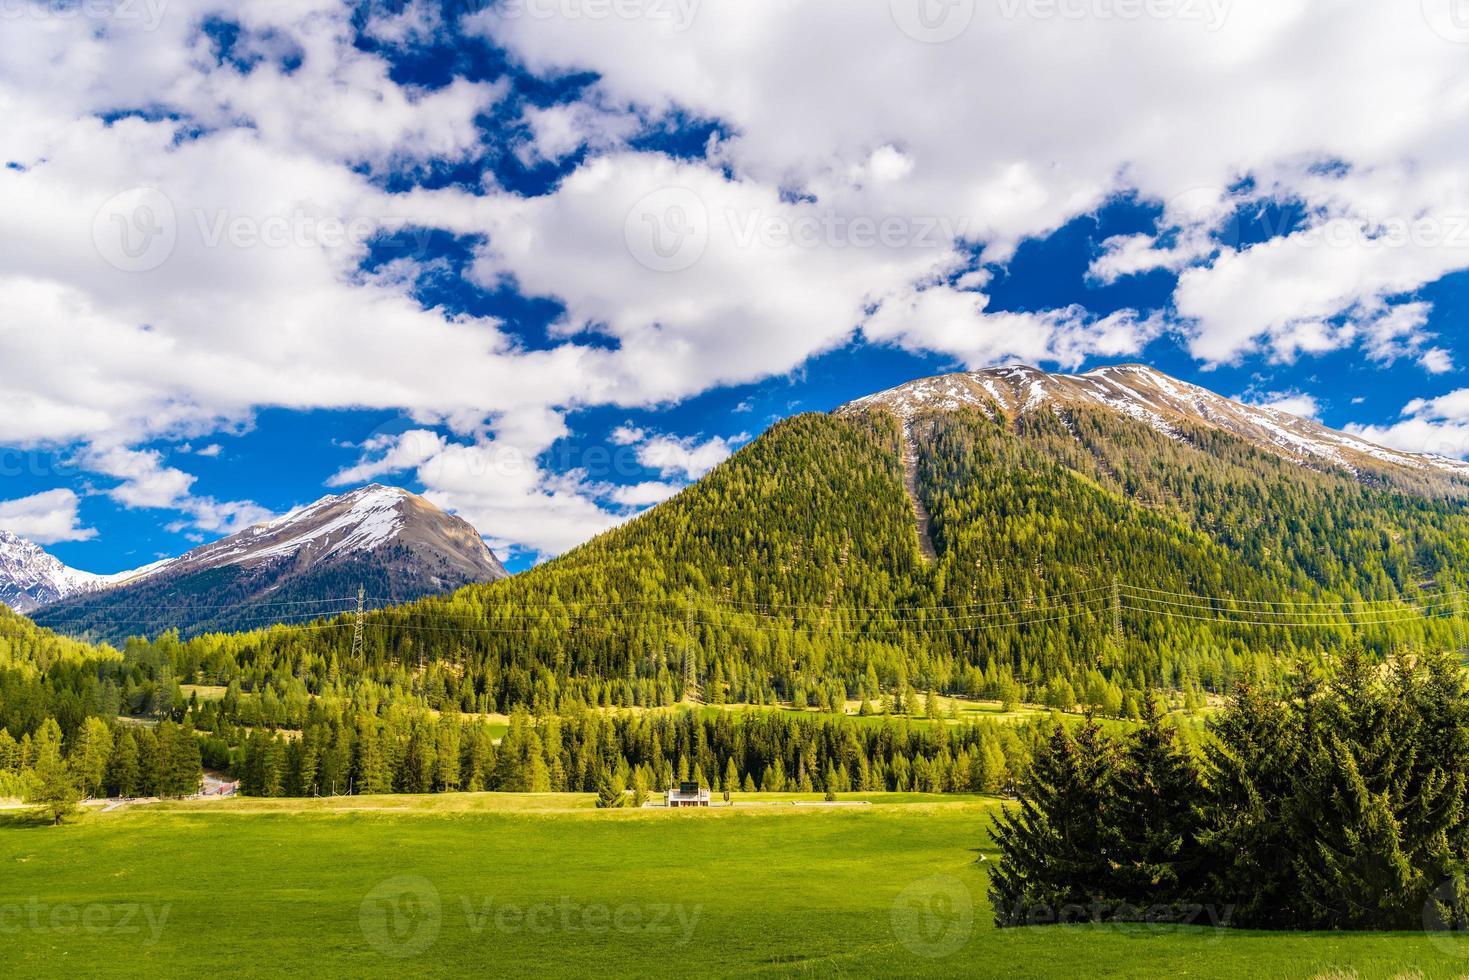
1054 844
1156 818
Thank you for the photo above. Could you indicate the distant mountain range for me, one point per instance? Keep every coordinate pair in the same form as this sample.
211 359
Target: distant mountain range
310 562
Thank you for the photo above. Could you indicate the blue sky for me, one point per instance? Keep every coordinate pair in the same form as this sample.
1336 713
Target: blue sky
424 244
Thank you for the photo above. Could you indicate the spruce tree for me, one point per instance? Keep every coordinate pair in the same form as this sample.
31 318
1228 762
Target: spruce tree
1253 769
1156 819
1053 845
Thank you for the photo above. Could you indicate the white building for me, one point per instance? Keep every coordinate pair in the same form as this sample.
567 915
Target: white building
688 794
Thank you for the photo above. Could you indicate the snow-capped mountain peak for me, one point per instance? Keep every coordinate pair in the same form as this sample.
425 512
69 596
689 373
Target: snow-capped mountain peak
357 522
1147 395
30 577
411 546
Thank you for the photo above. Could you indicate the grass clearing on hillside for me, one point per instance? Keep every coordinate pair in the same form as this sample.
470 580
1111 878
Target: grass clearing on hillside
547 885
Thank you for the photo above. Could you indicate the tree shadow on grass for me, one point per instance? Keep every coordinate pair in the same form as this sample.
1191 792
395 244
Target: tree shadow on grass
27 819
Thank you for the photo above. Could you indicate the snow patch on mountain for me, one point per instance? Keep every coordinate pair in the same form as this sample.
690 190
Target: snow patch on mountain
333 528
30 577
1153 398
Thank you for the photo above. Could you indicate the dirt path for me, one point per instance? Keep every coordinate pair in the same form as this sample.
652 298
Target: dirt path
921 517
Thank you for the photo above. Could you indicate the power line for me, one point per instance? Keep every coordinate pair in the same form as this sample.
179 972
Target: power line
1268 602
1296 625
1216 607
905 608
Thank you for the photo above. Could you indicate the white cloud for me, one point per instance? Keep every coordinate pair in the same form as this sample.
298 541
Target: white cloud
558 131
147 484
645 494
957 323
504 493
391 454
45 518
1436 360
831 118
1362 122
1294 402
1432 425
687 457
627 435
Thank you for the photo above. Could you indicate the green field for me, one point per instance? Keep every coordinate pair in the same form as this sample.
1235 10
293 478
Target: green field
546 885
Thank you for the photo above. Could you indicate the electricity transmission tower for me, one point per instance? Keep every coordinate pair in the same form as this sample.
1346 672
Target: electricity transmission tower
357 626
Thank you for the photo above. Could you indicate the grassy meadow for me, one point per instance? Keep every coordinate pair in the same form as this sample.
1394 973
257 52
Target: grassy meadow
546 885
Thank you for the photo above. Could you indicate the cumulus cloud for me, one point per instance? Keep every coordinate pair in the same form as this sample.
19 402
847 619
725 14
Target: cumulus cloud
45 518
1241 124
1294 402
168 272
956 323
1428 425
148 484
645 494
627 435
391 454
687 457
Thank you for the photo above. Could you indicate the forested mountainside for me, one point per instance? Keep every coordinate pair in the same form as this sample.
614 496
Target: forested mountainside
1080 556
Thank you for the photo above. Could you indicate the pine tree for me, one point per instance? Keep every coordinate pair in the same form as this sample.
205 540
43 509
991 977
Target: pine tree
89 755
1351 857
639 787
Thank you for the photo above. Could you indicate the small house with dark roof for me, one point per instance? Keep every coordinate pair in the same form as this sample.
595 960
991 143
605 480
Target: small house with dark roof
688 794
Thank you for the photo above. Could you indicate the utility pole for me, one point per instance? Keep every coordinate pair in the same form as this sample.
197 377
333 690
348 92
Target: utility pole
357 627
